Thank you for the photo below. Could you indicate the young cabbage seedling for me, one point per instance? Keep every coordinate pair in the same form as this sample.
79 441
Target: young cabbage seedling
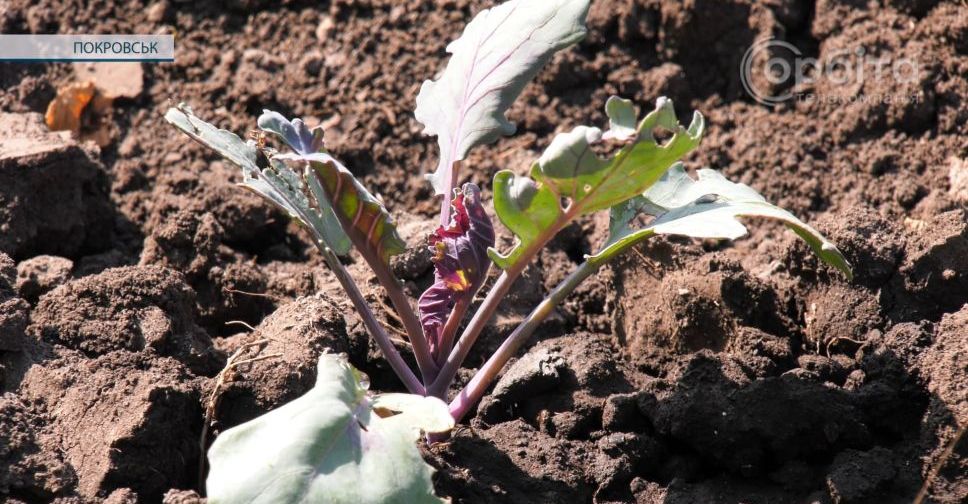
500 51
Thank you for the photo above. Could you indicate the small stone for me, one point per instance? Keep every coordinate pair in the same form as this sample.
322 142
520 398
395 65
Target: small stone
854 380
335 60
129 147
255 56
536 372
175 496
621 414
397 13
324 28
113 79
158 11
122 496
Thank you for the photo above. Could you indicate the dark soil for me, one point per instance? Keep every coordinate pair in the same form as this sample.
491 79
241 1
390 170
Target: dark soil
688 372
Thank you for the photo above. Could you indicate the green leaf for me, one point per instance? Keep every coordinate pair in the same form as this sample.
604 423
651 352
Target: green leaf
277 183
500 51
705 208
527 209
335 444
571 168
411 410
362 216
621 119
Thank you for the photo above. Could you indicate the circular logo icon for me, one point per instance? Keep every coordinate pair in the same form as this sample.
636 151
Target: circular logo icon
778 71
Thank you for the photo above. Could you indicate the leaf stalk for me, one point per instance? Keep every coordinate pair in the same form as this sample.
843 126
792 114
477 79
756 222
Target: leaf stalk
380 335
475 389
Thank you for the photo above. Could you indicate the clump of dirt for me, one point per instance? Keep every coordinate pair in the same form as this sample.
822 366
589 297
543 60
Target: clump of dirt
472 465
31 467
943 365
935 270
41 274
14 311
291 341
112 362
52 190
229 285
702 306
105 414
127 309
559 387
732 422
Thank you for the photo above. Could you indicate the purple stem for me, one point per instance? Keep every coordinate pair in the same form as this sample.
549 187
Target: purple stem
399 366
450 328
400 301
449 370
445 206
474 390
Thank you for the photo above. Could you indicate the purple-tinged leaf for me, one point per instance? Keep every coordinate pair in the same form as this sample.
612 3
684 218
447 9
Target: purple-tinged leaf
460 261
359 216
318 192
335 190
295 133
362 216
500 51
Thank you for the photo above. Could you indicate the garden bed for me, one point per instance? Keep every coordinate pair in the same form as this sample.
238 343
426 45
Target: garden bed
689 371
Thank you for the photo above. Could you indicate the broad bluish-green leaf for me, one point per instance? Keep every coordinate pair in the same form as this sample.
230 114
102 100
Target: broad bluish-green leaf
500 51
277 183
527 209
705 208
229 145
335 444
571 168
